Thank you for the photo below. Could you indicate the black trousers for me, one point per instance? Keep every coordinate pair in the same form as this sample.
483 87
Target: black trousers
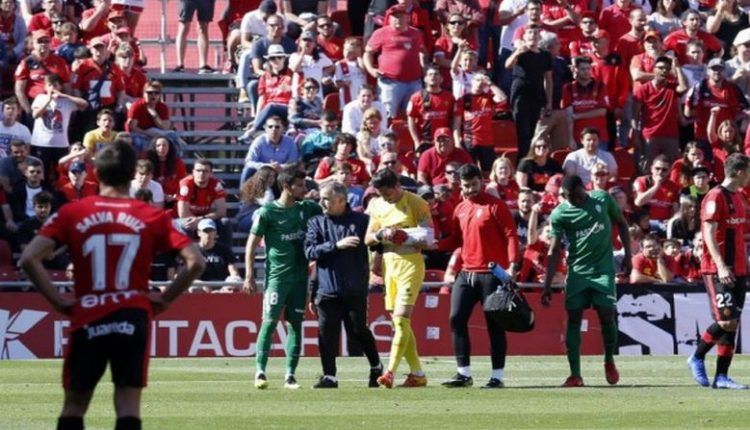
469 289
352 311
526 113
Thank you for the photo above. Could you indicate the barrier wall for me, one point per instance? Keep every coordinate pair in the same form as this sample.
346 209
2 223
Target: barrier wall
661 320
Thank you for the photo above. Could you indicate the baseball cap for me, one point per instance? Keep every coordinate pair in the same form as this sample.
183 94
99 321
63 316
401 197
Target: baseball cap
268 7
554 184
276 50
742 37
123 30
652 34
206 224
425 191
40 34
396 9
77 167
716 62
96 41
601 34
308 35
115 14
442 132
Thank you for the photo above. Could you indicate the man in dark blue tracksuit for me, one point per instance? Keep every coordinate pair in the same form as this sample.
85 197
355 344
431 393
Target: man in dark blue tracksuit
336 242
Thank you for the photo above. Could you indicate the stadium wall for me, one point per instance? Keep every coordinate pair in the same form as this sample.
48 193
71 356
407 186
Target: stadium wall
657 320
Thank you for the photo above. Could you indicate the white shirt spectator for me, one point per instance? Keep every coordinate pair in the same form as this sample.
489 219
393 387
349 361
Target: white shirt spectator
310 69
354 74
156 191
51 128
580 163
252 23
461 84
506 37
352 118
16 131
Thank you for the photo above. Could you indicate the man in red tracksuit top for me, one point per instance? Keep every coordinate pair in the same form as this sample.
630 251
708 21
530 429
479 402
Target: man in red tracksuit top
484 228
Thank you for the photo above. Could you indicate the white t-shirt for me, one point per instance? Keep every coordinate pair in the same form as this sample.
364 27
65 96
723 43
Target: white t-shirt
580 163
17 131
51 128
156 191
461 83
253 23
30 193
310 69
352 118
355 76
506 37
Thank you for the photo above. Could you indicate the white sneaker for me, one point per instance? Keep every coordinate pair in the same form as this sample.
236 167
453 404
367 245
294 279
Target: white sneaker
290 383
261 382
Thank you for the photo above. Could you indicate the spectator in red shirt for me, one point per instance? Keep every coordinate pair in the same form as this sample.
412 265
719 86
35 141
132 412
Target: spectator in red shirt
656 112
615 18
149 117
691 29
78 186
343 147
429 110
202 196
535 254
43 20
608 69
502 185
630 44
562 17
651 265
713 91
94 20
642 65
31 71
169 169
582 42
657 193
135 79
724 137
329 43
455 35
432 163
476 110
401 53
274 88
586 101
692 157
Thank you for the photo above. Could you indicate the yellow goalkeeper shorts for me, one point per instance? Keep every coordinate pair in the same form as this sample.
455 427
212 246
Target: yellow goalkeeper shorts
403 276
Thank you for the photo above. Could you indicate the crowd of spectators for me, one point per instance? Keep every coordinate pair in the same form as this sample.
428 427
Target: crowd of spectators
643 99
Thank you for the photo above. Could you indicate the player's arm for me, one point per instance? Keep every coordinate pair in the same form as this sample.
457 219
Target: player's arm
252 244
553 259
31 262
194 267
709 238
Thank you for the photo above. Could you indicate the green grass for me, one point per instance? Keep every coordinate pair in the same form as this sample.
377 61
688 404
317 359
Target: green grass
217 394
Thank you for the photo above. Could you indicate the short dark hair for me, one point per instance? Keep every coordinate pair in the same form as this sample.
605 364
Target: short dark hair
590 130
103 112
288 176
431 66
735 163
385 178
144 164
12 100
651 238
571 182
329 115
144 194
661 158
115 164
205 162
581 59
33 162
347 138
469 171
43 198
664 59
53 78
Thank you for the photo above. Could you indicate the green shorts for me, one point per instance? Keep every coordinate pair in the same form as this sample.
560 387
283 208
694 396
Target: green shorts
289 297
581 292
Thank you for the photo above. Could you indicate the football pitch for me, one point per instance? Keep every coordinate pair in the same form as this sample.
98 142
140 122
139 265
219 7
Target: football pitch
218 394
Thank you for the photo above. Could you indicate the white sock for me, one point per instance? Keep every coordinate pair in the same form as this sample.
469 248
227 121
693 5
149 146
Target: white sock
378 367
258 373
465 371
419 373
497 374
288 375
331 378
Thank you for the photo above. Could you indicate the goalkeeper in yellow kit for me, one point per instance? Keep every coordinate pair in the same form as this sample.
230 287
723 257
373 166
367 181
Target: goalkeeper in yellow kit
400 223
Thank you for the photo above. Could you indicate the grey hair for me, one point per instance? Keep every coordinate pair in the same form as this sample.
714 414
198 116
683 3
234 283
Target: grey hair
336 188
548 38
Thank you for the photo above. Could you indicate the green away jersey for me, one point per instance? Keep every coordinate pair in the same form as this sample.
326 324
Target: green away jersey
283 231
589 233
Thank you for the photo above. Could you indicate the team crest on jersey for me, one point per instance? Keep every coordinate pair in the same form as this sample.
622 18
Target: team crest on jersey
479 213
711 207
184 190
407 45
598 208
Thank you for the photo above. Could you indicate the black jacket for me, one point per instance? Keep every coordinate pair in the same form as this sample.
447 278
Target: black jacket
339 272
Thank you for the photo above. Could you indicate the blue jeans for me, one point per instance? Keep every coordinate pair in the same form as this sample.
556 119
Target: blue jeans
395 94
268 111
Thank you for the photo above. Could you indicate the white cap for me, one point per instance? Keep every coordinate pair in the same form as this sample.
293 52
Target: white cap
742 37
206 223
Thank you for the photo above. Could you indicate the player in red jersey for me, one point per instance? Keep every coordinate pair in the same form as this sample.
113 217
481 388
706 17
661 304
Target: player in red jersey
112 240
724 270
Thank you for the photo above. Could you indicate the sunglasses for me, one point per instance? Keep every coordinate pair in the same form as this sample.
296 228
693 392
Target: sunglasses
275 58
455 22
326 25
541 146
746 44
588 21
717 68
389 163
273 127
661 169
451 172
153 93
601 174
310 88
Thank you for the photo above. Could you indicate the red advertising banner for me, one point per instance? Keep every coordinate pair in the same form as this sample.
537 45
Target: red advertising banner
226 325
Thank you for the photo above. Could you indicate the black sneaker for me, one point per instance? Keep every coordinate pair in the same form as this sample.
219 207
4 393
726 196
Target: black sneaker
178 69
290 383
459 381
494 383
374 375
206 70
325 382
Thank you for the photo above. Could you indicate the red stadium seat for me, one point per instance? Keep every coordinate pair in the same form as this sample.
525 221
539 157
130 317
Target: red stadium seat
560 155
504 132
512 154
57 275
434 275
341 17
625 164
6 256
9 274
